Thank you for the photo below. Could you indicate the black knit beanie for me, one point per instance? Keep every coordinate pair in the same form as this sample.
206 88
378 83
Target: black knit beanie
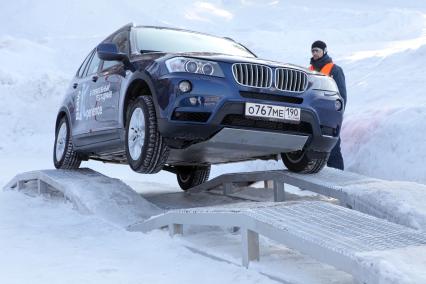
320 44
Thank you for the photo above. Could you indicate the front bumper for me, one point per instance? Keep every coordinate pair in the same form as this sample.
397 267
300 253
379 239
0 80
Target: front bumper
181 122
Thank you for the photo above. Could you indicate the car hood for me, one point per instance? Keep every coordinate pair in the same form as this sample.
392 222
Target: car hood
226 58
241 59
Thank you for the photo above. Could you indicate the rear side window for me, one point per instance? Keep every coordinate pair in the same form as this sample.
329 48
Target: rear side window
94 64
80 71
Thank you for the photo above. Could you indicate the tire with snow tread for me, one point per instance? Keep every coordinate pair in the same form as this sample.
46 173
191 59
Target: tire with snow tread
69 159
154 151
190 176
300 162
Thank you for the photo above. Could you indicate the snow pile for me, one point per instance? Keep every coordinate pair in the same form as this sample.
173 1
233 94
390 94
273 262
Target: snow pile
31 88
399 202
398 266
383 128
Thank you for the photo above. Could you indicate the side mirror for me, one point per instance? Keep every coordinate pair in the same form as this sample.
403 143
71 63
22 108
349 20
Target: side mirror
109 52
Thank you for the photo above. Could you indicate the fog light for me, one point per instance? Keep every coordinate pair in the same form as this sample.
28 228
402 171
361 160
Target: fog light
193 100
185 86
338 105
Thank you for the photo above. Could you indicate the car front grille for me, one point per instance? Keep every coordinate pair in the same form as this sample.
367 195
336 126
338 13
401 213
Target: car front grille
252 75
290 80
261 76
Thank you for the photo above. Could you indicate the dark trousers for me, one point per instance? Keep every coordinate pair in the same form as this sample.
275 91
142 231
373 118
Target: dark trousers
336 160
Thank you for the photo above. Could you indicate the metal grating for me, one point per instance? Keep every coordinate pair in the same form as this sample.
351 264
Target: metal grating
339 228
252 75
326 225
290 80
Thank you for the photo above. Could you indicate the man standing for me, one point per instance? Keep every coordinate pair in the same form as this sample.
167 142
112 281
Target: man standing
321 62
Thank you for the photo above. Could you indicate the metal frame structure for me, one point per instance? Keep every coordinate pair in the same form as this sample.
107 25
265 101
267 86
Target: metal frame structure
277 179
330 233
90 193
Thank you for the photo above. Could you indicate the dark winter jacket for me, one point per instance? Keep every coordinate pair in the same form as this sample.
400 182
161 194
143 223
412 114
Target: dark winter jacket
336 73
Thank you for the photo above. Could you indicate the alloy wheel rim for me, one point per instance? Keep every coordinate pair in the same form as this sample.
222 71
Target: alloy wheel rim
136 135
61 141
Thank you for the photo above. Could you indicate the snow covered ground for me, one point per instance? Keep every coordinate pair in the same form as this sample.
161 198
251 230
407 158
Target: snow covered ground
55 244
381 46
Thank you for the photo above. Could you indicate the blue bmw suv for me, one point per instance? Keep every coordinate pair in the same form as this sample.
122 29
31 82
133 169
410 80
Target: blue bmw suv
170 99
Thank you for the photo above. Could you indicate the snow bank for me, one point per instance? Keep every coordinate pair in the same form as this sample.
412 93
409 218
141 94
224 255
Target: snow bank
382 132
399 202
399 266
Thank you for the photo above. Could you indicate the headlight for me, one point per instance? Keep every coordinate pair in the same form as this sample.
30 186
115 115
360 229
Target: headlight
192 65
323 83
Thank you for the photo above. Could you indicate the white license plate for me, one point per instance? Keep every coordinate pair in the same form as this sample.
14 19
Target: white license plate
272 112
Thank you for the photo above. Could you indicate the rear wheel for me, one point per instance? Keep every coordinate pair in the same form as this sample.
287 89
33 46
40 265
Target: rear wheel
145 147
301 162
64 156
190 176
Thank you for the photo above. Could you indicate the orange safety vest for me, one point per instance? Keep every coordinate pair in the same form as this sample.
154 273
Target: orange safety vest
326 69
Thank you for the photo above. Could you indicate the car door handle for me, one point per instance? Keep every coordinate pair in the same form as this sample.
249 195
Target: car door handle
75 85
95 78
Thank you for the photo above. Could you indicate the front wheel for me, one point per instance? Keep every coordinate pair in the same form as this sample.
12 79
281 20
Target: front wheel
190 176
301 162
146 149
64 156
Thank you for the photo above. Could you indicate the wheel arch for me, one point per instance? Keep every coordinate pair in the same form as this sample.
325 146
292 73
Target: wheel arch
140 84
63 112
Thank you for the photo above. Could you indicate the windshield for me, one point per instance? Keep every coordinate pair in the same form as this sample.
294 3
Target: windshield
167 40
